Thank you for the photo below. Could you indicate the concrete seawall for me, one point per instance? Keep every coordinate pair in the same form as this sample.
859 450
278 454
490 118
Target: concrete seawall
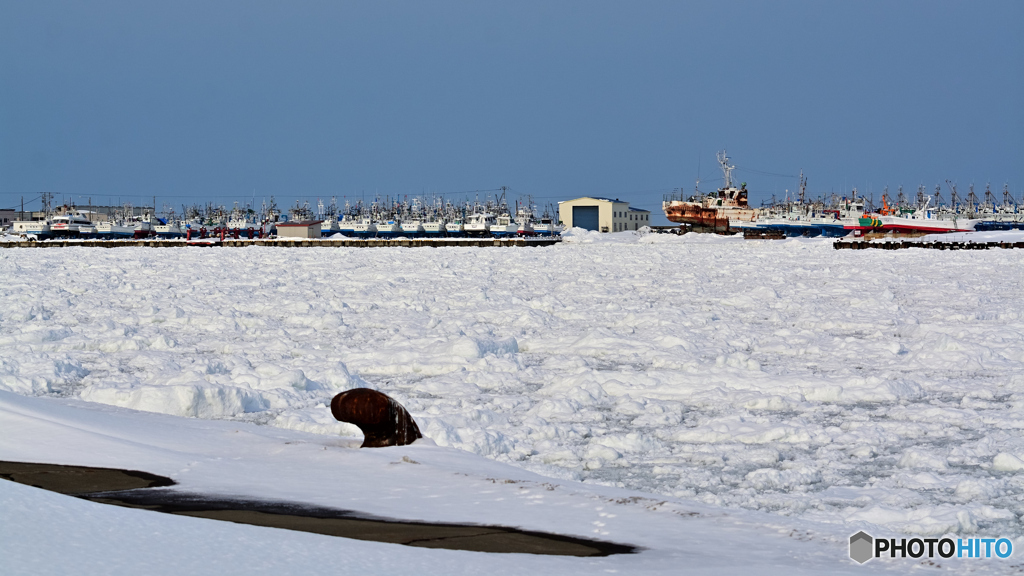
902 245
292 243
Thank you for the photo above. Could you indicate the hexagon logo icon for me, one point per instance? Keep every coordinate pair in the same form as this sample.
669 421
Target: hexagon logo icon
861 545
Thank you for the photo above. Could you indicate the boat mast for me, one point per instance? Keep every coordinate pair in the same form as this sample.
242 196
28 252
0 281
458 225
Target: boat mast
954 197
726 169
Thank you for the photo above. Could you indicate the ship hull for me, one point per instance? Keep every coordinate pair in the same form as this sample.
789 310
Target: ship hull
707 219
913 225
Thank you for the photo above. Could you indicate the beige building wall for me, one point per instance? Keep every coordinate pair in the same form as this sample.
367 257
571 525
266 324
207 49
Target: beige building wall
310 230
613 215
636 219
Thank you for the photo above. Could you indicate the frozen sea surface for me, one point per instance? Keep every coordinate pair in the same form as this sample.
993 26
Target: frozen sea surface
850 387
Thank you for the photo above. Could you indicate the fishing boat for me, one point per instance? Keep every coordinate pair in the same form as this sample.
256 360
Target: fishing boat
435 227
920 219
548 225
712 212
412 228
479 224
38 228
1006 216
390 228
366 228
241 221
792 220
328 217
143 227
524 222
838 221
241 224
330 227
115 229
68 224
503 225
927 220
347 225
167 228
454 228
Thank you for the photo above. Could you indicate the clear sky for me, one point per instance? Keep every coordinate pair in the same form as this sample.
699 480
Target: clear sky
196 101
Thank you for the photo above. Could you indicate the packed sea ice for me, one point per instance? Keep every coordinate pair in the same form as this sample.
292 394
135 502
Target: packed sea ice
865 388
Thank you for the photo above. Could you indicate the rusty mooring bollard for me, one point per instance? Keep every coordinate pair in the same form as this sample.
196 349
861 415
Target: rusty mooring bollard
384 421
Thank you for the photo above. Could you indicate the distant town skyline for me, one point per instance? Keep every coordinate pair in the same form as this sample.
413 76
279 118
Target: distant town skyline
196 102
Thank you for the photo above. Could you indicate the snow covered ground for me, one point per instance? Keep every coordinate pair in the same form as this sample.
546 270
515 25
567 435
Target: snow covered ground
846 390
44 533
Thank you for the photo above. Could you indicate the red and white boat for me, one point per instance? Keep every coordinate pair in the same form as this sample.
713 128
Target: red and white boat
923 219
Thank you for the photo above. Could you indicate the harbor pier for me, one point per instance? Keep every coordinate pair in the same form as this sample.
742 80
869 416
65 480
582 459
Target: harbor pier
292 243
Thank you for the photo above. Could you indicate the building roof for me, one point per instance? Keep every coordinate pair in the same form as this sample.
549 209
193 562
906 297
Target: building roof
299 223
597 198
631 209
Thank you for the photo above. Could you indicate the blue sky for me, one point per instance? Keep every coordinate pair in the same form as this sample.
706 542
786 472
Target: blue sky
224 101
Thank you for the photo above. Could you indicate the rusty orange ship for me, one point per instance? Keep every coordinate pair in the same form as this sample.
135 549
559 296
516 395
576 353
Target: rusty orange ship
724 211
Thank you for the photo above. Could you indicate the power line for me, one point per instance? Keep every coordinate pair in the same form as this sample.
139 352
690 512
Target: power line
765 173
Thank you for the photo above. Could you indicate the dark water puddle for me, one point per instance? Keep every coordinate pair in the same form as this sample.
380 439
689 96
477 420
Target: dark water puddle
74 480
129 488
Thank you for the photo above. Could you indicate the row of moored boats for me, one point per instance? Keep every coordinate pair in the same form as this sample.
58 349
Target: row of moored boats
380 219
728 211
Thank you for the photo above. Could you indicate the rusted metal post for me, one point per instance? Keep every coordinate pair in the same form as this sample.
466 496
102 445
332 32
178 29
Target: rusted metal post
384 421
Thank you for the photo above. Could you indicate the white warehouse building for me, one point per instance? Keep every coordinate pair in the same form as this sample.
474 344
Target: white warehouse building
604 214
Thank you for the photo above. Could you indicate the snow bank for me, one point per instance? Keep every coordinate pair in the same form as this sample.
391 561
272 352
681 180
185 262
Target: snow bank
46 533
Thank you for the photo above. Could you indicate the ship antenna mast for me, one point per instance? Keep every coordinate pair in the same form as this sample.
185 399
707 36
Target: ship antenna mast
696 185
726 169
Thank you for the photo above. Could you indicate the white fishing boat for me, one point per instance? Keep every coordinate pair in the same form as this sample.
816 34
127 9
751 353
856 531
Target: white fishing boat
330 227
389 229
792 219
525 222
840 221
110 230
347 225
479 224
167 229
504 225
412 228
922 219
190 224
37 228
455 228
435 227
242 224
68 224
143 227
928 220
548 225
366 228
